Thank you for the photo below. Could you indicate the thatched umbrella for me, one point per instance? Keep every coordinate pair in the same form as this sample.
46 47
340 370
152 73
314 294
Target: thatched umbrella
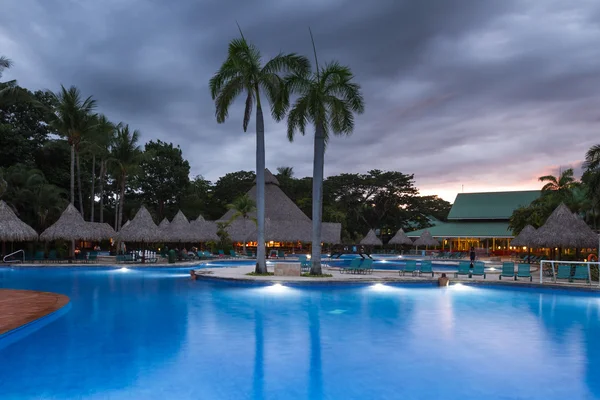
163 224
371 239
331 232
426 240
140 229
525 238
71 226
565 229
179 230
400 238
12 229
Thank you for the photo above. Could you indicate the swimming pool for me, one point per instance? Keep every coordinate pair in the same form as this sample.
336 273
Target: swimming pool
153 333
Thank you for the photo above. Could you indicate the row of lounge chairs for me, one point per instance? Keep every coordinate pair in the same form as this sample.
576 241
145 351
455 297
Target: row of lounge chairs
411 267
358 266
508 271
40 256
451 255
530 259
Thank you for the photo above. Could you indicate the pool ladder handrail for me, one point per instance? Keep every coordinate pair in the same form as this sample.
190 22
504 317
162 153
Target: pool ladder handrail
12 254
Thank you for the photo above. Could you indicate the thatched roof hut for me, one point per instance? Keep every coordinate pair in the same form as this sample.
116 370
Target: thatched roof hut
331 232
371 239
163 224
565 229
426 240
71 226
400 238
104 231
179 230
140 229
525 237
203 230
287 221
12 229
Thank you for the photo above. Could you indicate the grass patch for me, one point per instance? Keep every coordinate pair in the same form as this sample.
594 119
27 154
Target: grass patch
308 275
255 274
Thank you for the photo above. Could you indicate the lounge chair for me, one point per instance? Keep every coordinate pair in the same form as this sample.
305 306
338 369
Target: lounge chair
354 266
478 269
564 272
524 271
52 256
581 273
221 253
233 254
281 254
304 264
39 256
93 257
426 268
508 270
464 268
249 254
367 266
410 266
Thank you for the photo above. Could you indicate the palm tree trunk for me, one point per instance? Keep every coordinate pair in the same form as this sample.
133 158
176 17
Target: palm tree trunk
261 264
121 201
72 174
101 184
244 245
117 212
93 186
79 186
317 200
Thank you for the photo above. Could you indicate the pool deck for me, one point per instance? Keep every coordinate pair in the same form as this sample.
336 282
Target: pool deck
21 307
239 274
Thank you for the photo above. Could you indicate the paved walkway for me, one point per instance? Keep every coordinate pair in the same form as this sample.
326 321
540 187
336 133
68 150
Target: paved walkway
20 307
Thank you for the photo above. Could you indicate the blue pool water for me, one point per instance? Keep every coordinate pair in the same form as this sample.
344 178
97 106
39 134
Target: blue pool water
155 334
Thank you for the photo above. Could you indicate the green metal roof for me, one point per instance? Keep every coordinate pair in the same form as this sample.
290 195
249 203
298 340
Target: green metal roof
490 205
467 229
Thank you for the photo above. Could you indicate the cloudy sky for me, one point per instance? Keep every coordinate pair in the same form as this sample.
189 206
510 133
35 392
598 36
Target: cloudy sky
480 94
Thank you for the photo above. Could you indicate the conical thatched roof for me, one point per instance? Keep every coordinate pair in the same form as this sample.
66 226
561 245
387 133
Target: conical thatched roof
525 237
103 230
565 229
331 232
140 229
426 240
400 238
179 230
163 224
71 226
200 219
12 229
203 230
371 239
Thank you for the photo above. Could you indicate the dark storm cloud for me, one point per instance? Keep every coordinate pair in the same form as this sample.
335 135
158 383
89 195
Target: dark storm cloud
456 91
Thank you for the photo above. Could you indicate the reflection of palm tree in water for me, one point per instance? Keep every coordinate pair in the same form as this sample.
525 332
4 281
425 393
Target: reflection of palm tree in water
315 389
259 356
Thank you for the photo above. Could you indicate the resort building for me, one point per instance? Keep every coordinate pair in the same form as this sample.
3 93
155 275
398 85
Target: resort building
480 220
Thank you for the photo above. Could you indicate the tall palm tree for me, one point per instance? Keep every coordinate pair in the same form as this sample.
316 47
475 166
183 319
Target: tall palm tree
242 72
72 119
125 154
560 184
9 91
285 172
328 99
243 207
97 144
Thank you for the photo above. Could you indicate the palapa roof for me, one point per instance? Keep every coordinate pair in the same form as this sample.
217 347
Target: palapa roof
12 229
104 230
565 229
71 226
179 230
525 237
400 238
371 239
163 224
287 222
331 232
426 240
140 229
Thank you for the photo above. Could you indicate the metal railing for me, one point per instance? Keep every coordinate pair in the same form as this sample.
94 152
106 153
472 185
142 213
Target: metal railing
553 262
12 254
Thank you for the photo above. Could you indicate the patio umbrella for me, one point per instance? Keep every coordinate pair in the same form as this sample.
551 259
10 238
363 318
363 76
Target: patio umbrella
525 238
400 238
426 240
371 239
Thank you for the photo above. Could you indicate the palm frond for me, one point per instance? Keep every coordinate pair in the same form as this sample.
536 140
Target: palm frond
287 63
298 117
248 109
592 157
226 97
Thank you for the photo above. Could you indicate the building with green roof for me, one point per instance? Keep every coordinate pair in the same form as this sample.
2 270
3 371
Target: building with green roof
480 220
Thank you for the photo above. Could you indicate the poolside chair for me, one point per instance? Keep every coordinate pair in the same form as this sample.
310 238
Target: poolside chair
478 269
221 253
52 256
367 266
93 257
249 254
581 273
233 254
410 266
304 264
508 270
281 254
564 272
354 266
39 256
426 268
464 268
524 271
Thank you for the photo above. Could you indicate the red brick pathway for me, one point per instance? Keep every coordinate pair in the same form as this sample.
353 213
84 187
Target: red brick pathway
19 307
